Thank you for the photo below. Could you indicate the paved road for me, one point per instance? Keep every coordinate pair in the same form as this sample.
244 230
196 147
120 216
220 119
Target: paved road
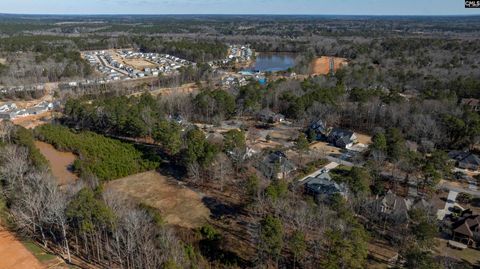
104 63
451 187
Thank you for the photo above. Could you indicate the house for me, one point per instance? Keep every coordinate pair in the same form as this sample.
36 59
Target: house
267 115
276 165
391 207
322 187
342 138
320 128
473 103
467 230
465 160
8 106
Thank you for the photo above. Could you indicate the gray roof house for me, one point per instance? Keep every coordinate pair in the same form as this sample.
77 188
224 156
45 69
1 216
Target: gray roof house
322 187
276 165
465 160
267 115
391 207
342 138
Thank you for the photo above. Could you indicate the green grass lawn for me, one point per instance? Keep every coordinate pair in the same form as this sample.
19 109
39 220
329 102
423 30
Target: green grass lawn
38 252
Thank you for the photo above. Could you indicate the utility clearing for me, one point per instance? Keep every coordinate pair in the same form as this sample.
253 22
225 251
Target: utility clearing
178 205
326 65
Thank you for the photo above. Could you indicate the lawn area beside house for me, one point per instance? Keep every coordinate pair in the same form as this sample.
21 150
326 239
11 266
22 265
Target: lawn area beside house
469 255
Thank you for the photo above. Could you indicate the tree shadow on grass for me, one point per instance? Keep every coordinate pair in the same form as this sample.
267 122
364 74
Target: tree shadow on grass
219 209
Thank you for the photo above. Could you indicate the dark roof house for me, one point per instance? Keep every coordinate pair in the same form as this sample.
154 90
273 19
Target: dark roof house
467 230
320 129
323 187
342 138
473 103
465 160
276 165
267 115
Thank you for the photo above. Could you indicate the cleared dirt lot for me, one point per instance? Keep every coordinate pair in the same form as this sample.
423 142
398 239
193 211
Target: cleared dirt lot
60 162
178 204
321 65
139 64
32 121
14 255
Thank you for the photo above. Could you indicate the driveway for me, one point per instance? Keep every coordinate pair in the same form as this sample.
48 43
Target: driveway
340 161
452 196
451 186
326 168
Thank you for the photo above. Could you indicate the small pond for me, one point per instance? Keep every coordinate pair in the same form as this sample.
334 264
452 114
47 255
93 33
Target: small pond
272 62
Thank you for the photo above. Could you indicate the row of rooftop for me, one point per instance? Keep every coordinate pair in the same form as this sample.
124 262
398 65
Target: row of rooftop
10 111
115 69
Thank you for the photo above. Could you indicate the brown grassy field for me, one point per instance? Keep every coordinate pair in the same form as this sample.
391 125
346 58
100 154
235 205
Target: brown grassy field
321 65
14 255
139 64
324 148
178 204
364 139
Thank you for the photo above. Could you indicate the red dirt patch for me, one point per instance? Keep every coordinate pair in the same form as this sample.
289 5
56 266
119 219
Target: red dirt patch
321 65
13 255
59 162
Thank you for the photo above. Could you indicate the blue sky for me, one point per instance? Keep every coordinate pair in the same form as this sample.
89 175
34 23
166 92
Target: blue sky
326 7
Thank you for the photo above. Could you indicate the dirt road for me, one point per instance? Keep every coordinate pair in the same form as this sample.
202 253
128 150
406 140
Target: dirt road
13 255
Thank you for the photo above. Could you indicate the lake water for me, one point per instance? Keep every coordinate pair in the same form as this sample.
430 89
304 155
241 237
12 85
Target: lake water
273 62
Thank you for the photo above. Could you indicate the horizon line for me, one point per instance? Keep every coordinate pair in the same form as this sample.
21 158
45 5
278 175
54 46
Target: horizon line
235 14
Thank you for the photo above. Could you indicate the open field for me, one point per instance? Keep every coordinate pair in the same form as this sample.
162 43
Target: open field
136 63
184 89
178 205
14 255
60 162
321 65
139 64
